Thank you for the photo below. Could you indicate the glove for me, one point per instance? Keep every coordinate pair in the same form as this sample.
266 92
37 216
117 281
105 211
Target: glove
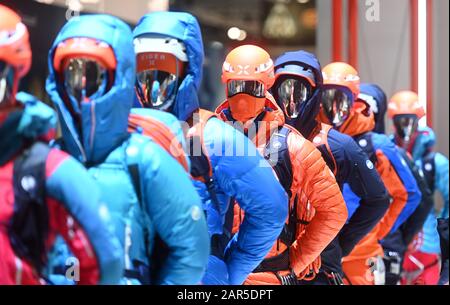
310 272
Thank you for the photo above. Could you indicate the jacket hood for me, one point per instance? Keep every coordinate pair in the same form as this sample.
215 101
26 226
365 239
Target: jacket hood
184 27
271 119
104 120
380 107
35 121
306 121
361 120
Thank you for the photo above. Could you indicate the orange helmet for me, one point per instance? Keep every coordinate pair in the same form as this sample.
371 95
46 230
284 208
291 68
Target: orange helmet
342 74
86 48
248 72
249 62
15 51
86 66
339 92
405 102
14 41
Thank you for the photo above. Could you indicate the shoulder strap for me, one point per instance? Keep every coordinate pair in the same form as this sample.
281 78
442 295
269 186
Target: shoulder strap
277 153
321 143
160 253
366 143
29 226
159 133
429 169
201 168
133 157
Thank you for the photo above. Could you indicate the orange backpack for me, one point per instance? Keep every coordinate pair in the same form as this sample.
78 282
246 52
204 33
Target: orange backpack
159 133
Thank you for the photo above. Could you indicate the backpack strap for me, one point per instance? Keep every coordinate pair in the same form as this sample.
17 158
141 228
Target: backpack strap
276 153
159 133
429 170
201 168
321 143
133 160
365 141
29 226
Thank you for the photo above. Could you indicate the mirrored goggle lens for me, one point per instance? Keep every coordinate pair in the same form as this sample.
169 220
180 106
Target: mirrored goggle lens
406 126
6 83
291 94
336 105
156 89
253 88
85 79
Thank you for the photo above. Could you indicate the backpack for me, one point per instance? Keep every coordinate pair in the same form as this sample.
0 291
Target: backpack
29 226
159 133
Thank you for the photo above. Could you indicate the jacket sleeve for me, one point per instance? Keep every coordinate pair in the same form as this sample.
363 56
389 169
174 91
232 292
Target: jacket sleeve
441 181
366 183
400 166
175 210
77 215
316 181
396 190
242 173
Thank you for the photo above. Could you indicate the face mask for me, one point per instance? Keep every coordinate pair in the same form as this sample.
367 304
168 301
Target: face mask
406 128
244 107
336 105
292 94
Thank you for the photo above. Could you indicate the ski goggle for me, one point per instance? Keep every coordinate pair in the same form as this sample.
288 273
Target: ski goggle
7 75
156 89
157 79
85 79
406 126
250 87
292 93
336 104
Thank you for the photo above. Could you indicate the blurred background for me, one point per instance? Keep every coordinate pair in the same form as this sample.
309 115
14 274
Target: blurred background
401 44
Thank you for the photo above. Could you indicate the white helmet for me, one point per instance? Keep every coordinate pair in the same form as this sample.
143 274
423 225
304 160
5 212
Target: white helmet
156 43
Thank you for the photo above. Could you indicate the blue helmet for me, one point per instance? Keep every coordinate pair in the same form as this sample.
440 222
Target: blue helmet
297 89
